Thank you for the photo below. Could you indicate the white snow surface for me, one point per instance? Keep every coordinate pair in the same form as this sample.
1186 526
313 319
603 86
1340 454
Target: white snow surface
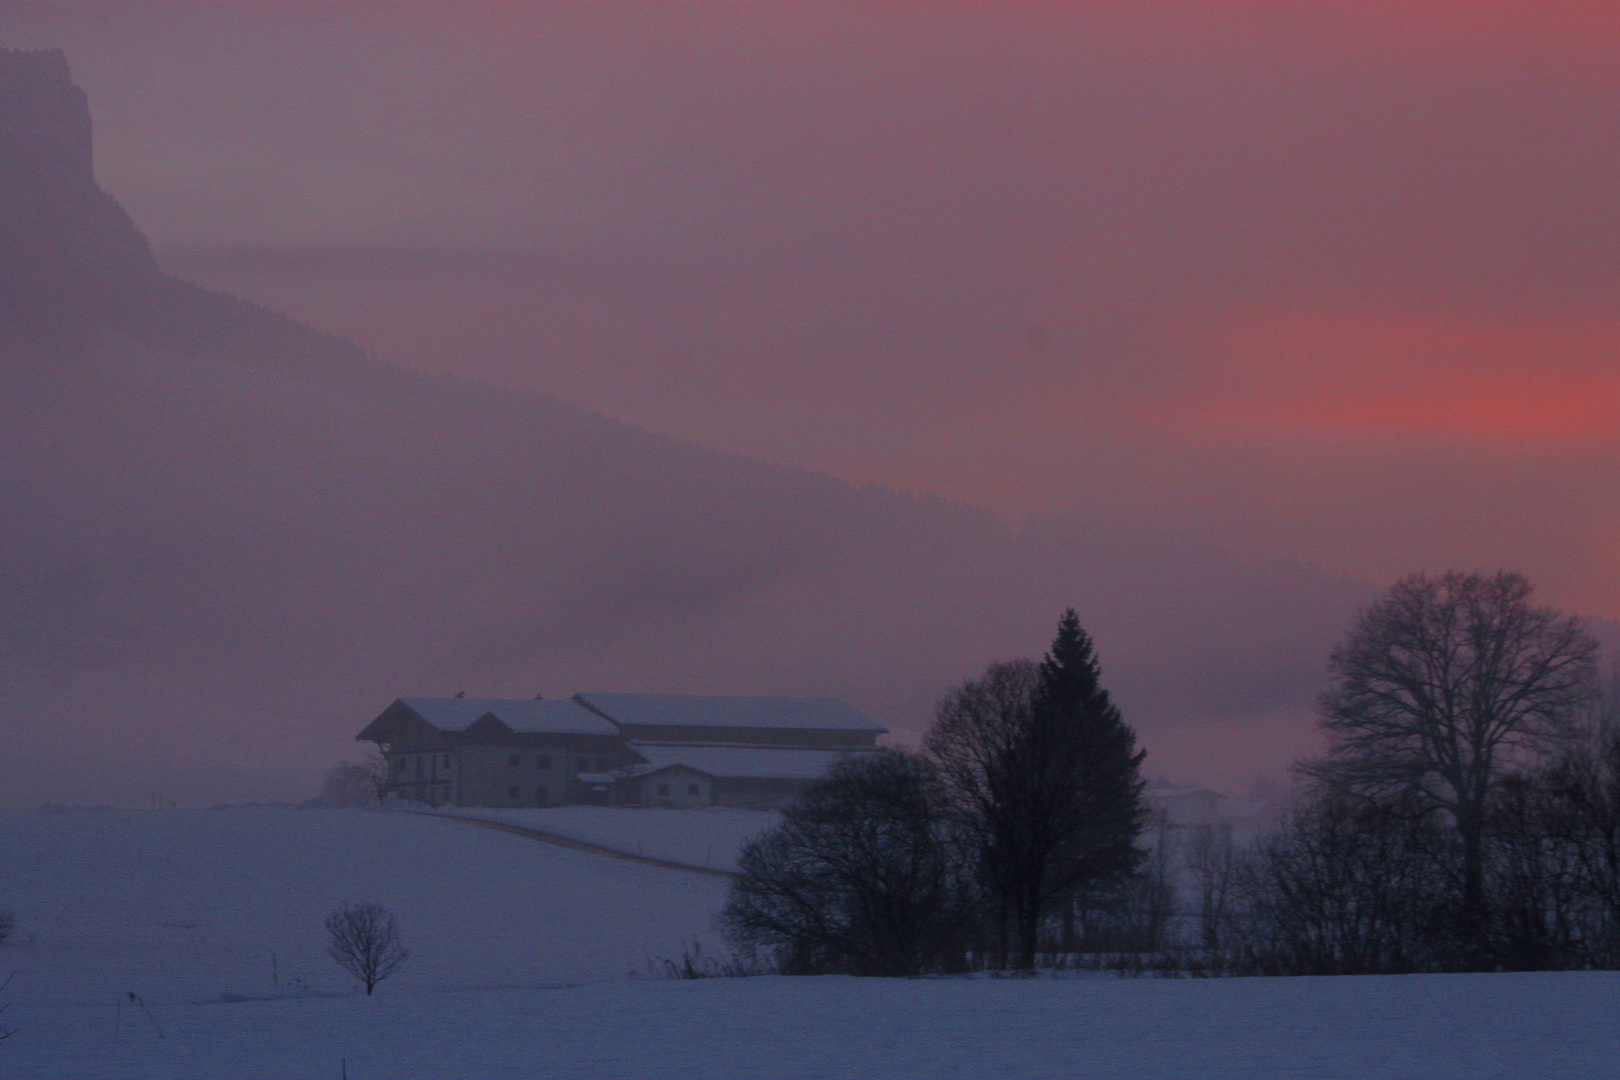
519 963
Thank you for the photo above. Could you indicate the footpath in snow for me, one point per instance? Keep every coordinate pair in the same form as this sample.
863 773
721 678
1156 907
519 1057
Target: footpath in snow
705 839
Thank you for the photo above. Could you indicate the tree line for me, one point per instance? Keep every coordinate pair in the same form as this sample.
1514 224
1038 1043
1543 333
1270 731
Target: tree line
1465 816
1027 793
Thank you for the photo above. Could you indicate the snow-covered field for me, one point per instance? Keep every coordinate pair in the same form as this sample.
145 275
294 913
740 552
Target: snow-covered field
521 952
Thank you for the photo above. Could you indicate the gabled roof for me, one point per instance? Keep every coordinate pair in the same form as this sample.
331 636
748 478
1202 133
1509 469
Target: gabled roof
526 717
712 711
605 714
739 762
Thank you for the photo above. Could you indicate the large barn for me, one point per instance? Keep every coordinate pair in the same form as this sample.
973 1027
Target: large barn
670 750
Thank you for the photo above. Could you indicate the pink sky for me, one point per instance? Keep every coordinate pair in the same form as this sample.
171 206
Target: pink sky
1329 282
1335 281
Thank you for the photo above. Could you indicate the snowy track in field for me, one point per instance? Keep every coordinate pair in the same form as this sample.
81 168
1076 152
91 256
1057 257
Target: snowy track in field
708 839
594 849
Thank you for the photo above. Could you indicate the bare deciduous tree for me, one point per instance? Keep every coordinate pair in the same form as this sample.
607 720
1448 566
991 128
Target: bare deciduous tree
1134 914
1541 916
365 942
1584 820
8 926
862 877
1213 860
1443 688
975 728
354 782
1344 887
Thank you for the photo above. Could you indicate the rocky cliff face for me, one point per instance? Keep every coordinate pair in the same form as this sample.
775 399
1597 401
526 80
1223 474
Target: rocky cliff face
56 225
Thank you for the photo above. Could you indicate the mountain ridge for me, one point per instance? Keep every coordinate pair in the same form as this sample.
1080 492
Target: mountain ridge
231 537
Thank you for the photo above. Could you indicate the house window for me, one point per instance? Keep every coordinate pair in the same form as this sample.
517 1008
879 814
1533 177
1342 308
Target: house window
584 764
691 789
543 761
542 797
447 761
419 766
511 792
512 759
603 764
663 789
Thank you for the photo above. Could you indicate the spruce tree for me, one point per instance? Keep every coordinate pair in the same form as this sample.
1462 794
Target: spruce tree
1096 764
1047 771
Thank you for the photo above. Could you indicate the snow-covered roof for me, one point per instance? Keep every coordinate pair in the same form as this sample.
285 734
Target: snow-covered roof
528 717
758 762
700 710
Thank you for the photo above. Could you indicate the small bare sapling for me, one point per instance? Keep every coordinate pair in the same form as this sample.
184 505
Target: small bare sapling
365 942
5 1032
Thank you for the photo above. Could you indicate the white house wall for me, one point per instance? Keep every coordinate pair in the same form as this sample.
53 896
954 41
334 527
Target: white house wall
677 788
513 776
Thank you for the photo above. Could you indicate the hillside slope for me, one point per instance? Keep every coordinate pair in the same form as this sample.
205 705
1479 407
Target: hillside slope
230 539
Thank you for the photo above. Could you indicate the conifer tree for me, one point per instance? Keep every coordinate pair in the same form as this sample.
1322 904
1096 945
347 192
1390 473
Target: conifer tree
1047 771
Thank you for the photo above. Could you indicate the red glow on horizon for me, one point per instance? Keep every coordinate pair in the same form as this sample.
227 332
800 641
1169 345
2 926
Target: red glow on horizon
1507 410
1422 372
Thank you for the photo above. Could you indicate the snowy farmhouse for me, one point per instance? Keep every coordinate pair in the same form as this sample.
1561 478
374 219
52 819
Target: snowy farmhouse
670 750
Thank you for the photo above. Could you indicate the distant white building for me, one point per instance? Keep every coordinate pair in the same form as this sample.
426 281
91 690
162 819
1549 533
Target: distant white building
1190 807
669 750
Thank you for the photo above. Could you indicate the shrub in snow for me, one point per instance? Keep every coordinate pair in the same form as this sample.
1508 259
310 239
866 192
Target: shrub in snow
8 924
365 942
696 964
